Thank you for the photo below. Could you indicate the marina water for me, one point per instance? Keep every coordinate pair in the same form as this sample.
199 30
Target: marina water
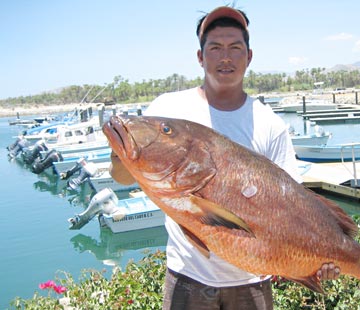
36 242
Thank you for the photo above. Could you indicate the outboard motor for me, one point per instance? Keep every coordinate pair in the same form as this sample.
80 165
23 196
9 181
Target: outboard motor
70 172
11 146
103 202
51 157
29 155
87 170
19 145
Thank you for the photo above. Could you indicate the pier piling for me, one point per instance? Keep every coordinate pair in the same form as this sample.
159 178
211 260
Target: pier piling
304 104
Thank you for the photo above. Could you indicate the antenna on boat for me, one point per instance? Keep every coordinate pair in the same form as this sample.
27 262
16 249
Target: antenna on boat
98 94
87 94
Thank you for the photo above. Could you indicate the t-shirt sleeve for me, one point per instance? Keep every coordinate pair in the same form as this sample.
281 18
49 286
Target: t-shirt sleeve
154 108
163 106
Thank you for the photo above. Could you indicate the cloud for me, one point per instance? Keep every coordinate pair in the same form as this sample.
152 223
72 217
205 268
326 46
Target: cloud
339 37
356 48
294 60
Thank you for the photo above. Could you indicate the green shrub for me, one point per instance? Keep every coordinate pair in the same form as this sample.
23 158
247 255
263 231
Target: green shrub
140 286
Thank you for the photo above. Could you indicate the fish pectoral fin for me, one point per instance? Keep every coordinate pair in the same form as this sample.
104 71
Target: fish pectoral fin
312 283
215 215
196 242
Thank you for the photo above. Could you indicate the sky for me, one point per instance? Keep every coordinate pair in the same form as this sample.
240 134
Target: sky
46 45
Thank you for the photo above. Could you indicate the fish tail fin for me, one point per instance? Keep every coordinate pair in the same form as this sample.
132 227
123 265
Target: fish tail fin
312 283
345 222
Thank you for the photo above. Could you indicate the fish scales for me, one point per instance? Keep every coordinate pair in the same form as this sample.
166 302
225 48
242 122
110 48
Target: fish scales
239 204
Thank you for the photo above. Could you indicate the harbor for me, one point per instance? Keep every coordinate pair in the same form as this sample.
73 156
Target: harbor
35 230
38 232
333 167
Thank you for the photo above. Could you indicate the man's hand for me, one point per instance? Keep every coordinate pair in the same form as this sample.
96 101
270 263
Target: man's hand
118 171
328 271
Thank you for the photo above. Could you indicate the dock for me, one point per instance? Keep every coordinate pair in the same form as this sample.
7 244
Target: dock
337 178
337 120
340 115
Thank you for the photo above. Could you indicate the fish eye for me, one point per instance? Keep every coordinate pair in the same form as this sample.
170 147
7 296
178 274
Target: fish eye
165 129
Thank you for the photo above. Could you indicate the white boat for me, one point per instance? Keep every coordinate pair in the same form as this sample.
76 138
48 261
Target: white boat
73 128
82 147
140 213
328 153
28 139
319 137
311 105
95 141
63 133
310 139
120 215
69 160
102 179
23 122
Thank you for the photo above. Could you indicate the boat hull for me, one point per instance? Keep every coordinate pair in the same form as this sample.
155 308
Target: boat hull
310 140
141 213
71 160
99 182
327 153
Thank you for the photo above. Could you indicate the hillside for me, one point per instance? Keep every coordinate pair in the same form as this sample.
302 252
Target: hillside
347 68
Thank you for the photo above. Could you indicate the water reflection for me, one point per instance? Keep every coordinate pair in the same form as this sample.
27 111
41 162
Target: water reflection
49 182
111 248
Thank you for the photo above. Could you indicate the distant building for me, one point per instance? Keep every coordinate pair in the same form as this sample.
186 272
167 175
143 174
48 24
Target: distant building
318 88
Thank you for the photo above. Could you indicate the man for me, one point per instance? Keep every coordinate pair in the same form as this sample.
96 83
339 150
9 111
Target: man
194 281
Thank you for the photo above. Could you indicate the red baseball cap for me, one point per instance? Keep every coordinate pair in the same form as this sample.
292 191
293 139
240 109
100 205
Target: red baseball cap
222 11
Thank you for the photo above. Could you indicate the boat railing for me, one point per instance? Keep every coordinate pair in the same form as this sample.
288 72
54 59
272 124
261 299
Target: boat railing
353 147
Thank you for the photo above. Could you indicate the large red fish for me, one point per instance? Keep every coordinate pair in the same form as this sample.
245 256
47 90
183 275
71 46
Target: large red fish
233 201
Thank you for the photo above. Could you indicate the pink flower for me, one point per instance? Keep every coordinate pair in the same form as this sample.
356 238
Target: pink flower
59 289
46 285
51 284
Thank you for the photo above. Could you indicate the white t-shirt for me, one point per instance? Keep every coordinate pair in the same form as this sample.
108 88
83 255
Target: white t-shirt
253 125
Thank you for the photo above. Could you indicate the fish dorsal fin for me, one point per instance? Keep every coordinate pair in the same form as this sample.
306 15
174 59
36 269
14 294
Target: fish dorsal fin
312 283
196 242
344 220
214 215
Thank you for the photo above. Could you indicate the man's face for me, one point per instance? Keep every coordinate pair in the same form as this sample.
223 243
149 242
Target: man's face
225 57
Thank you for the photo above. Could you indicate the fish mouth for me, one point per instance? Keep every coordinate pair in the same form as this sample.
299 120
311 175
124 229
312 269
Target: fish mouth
121 141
